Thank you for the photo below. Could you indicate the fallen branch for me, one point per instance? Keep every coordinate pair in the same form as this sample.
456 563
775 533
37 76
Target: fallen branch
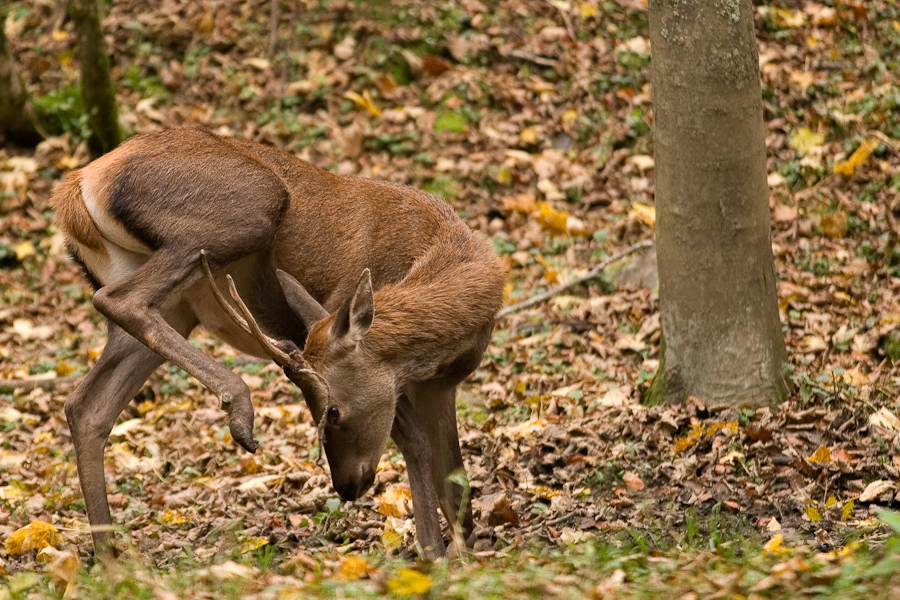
532 58
593 273
26 385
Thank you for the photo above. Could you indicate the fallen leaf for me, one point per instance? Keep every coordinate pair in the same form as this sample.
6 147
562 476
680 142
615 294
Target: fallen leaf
783 213
364 101
394 502
857 159
834 225
813 513
632 481
847 510
408 582
231 570
254 543
804 139
886 419
876 489
644 213
353 568
435 65
773 546
35 536
821 455
23 250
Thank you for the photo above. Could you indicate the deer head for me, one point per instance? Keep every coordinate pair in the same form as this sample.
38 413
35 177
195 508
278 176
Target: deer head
350 393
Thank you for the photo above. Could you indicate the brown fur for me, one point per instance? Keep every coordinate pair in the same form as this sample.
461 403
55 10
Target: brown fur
72 215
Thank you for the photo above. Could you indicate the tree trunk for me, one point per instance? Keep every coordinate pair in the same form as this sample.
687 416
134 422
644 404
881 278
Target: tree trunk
98 94
17 120
719 313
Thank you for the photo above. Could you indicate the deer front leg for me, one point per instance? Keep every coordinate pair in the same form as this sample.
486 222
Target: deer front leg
411 437
134 303
436 402
91 411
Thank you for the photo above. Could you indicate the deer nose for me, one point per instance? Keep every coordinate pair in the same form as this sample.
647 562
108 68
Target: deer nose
351 490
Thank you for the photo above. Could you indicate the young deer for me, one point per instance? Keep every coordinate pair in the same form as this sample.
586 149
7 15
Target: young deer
388 293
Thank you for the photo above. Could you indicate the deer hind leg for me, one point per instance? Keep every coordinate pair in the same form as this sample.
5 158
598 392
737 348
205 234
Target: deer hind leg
436 402
135 303
92 409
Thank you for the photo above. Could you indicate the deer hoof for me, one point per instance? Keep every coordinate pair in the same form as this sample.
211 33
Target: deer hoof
243 435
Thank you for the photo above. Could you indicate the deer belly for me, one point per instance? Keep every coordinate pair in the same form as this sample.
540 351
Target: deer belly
215 321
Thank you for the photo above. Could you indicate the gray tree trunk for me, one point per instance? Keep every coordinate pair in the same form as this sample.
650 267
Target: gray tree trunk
98 94
17 120
719 313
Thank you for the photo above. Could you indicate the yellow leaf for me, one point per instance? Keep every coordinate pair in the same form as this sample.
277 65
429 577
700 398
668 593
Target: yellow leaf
551 219
787 18
545 492
773 546
24 250
394 502
587 10
830 502
845 512
254 543
408 582
550 272
805 140
353 568
364 101
503 176
174 517
857 159
64 368
390 538
206 23
822 455
528 135
835 225
59 35
36 536
569 116
644 213
813 513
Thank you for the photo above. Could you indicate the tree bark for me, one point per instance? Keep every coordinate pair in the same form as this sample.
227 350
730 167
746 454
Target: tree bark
718 303
98 94
17 119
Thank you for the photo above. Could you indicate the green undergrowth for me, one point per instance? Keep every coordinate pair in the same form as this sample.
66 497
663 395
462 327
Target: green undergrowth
629 565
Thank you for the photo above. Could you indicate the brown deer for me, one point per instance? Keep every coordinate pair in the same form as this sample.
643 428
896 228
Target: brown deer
389 294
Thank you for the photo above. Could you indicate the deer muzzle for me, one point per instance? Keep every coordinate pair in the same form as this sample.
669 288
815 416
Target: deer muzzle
354 488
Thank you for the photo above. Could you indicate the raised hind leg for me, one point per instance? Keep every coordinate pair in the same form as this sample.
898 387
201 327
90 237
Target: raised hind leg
135 302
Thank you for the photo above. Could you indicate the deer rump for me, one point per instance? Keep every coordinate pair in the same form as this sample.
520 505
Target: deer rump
389 294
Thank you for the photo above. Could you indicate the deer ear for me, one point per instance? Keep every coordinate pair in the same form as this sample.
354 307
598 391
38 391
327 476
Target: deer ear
356 315
300 301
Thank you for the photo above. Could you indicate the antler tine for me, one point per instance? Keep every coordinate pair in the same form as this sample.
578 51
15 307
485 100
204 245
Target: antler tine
280 356
228 308
245 322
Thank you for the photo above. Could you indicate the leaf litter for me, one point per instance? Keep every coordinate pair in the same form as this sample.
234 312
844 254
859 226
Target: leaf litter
540 139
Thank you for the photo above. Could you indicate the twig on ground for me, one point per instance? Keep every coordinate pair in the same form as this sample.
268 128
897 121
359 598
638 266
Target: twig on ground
584 278
26 385
532 58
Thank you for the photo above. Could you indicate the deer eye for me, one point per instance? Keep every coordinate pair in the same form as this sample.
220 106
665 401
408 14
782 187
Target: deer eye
333 415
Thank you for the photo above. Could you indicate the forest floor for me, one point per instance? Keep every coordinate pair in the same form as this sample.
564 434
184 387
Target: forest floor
533 120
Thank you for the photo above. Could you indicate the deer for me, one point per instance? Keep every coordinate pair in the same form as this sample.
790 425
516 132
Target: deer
374 298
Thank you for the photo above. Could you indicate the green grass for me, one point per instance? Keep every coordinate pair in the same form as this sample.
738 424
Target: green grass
629 565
